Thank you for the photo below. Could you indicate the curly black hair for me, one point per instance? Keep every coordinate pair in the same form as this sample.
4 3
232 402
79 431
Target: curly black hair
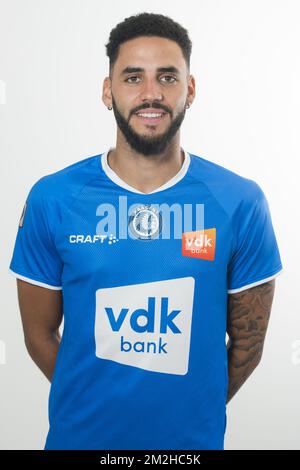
147 24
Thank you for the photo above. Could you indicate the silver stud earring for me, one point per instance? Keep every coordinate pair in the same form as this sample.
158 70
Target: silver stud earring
109 108
187 106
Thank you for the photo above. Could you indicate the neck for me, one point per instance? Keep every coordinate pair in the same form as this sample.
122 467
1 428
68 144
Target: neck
145 173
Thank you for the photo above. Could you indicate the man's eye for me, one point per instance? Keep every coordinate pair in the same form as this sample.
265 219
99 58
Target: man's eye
129 78
170 76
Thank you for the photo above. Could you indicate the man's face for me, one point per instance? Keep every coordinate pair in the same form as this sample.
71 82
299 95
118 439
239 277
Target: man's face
139 85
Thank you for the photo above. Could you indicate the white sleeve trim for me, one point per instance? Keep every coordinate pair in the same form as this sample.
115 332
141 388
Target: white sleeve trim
33 281
253 284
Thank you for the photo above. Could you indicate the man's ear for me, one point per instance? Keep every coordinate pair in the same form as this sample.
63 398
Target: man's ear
106 92
191 89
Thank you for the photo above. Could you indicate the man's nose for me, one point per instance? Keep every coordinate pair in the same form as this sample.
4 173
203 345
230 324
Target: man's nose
151 90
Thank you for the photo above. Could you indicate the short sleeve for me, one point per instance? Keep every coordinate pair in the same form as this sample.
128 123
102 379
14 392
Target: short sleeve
35 258
256 258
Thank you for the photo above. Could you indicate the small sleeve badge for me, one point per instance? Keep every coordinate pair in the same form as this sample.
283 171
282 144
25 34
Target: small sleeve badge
21 221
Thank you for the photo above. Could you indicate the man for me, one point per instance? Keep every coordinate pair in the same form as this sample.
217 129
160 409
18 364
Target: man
137 249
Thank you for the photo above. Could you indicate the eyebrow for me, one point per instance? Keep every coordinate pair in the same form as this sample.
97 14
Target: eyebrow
170 69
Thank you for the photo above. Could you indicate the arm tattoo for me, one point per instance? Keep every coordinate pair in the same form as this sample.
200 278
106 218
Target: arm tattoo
248 315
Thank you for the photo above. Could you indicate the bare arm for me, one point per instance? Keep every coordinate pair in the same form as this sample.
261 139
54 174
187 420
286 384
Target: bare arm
247 321
41 312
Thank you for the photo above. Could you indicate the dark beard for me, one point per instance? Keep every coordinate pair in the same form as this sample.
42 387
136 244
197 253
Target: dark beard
147 145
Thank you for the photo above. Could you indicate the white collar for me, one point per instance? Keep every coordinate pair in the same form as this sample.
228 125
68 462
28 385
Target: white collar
116 179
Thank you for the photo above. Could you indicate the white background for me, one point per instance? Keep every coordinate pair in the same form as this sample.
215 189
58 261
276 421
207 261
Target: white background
246 117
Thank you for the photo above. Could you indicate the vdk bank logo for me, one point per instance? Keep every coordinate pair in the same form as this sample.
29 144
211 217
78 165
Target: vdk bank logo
199 244
146 325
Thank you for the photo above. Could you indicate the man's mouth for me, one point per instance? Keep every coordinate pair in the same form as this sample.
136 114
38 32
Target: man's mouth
150 118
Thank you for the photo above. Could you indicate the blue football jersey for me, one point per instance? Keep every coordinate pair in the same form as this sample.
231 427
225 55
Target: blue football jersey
145 278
